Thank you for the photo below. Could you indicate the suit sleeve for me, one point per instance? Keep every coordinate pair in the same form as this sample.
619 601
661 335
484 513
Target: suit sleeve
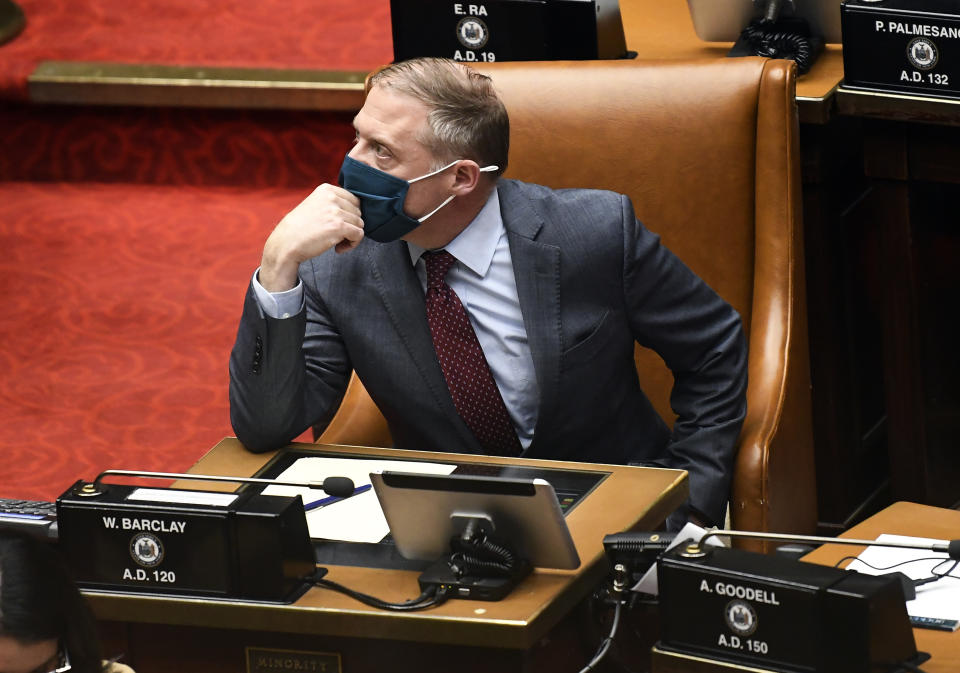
286 375
701 339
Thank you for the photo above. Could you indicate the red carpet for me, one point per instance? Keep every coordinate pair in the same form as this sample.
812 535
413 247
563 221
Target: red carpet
308 34
128 240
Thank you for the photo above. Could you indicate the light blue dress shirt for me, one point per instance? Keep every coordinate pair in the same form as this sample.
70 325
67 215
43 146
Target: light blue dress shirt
484 280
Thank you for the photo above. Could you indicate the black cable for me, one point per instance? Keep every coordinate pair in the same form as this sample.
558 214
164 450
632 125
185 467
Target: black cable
895 565
606 642
476 554
907 665
463 565
934 576
770 40
952 568
772 11
937 576
428 599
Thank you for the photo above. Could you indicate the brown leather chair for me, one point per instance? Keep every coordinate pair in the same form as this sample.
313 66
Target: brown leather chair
708 153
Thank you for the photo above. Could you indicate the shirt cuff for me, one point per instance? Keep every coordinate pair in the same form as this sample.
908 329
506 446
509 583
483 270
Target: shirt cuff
278 305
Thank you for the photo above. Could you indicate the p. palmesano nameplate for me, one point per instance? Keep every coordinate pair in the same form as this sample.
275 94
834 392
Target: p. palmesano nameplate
906 46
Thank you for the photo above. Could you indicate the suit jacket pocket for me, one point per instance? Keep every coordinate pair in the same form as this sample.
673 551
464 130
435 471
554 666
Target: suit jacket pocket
596 340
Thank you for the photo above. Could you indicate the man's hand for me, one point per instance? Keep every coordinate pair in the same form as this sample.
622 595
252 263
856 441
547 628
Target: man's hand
328 218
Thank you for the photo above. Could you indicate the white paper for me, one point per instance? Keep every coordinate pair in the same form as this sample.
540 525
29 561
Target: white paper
354 519
648 583
165 495
940 599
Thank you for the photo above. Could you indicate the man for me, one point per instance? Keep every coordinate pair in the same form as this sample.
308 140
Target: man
555 288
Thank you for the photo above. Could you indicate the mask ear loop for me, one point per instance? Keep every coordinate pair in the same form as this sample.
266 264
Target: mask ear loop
446 201
485 169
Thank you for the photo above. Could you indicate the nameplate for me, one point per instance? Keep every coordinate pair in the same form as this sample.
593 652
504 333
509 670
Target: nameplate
483 31
902 46
167 541
266 660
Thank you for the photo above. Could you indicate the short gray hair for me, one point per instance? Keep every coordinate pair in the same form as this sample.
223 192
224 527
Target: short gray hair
467 119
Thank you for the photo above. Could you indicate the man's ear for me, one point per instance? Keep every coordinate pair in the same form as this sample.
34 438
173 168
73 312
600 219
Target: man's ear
466 176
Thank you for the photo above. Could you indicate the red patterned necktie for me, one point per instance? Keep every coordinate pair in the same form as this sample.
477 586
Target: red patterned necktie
474 392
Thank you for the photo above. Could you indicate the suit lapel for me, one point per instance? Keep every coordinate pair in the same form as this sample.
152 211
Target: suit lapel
402 296
536 266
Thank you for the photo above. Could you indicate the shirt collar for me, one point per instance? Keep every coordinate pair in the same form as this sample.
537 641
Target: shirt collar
475 245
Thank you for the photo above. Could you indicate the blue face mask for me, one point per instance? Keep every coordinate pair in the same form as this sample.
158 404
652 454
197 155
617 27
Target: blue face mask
381 199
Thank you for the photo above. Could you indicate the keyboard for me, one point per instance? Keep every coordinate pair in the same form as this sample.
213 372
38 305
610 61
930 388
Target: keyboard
31 516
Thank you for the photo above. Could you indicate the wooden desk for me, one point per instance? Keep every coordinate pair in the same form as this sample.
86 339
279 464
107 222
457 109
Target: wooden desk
530 630
661 30
907 518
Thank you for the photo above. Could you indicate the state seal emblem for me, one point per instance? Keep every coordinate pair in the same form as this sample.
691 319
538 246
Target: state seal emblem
472 32
741 618
922 53
146 549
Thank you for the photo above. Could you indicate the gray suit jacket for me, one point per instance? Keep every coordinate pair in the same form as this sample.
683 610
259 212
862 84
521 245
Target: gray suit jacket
591 281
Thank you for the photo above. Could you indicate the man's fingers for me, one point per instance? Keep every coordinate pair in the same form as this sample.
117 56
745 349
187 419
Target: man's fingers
334 193
350 198
351 239
353 218
337 204
345 246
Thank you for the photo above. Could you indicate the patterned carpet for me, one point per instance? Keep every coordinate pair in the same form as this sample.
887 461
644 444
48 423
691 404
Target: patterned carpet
129 237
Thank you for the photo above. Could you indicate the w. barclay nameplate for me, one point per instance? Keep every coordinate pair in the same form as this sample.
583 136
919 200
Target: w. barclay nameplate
908 46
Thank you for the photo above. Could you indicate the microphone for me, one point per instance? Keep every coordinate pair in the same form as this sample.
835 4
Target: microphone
695 549
340 487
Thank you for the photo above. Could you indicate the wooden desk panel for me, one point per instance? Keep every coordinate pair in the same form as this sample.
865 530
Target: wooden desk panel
508 630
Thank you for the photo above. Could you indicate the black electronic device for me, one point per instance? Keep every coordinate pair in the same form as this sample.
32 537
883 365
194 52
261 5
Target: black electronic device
508 30
242 546
485 533
632 554
37 517
479 565
905 46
